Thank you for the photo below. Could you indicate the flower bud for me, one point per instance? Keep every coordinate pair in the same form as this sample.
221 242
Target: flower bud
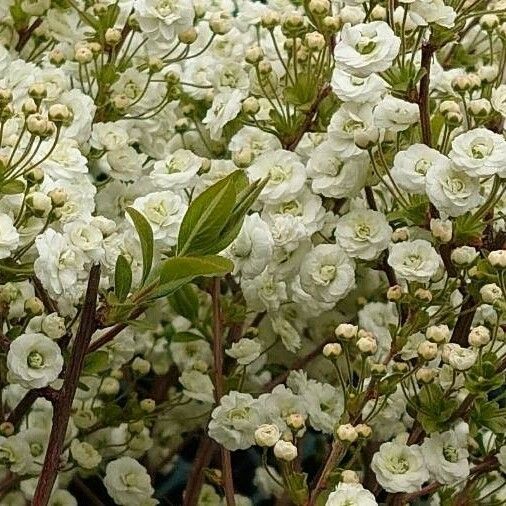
442 230
464 256
112 36
5 96
136 427
331 23
438 333
254 55
120 102
346 331
243 157
319 7
367 345
284 450
400 367
181 125
38 203
394 293
314 41
83 55
347 432
29 107
426 375
34 306
427 350
378 369
250 105
454 119
37 91
461 83
366 139
270 19
57 57
267 435
475 81
109 386
349 476
400 234
423 294
488 73
332 350
449 106
58 197
147 405
490 293
489 21
140 366
220 23
480 107
59 113
363 430
188 36
479 336
6 429
295 421
34 176
497 258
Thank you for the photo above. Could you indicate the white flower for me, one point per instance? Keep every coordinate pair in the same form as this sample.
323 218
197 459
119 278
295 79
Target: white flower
479 153
124 163
34 360
64 161
446 457
127 482
53 326
62 498
363 233
366 48
225 107
109 136
350 494
252 249
267 435
414 260
350 88
461 359
234 421
9 237
399 468
59 263
253 140
490 293
498 99
86 238
197 385
164 212
424 12
178 171
501 457
395 114
245 350
452 191
285 450
411 166
14 453
289 335
84 454
464 255
264 292
327 273
286 173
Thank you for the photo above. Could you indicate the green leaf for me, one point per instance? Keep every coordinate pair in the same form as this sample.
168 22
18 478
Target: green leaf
205 216
178 268
122 278
186 303
186 337
12 187
146 237
96 362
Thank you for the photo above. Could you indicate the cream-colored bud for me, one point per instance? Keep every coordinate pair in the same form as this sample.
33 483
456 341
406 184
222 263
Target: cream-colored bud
438 333
480 107
57 57
332 350
112 36
270 19
37 91
423 294
6 429
497 258
367 345
489 21
295 421
147 405
449 106
254 55
34 306
347 432
349 476
267 435
426 375
83 55
58 197
250 105
479 336
346 331
319 7
140 366
285 450
188 36
427 350
59 113
363 430
394 293
400 234
109 386
29 107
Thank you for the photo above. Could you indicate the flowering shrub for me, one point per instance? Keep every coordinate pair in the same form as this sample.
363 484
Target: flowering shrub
252 253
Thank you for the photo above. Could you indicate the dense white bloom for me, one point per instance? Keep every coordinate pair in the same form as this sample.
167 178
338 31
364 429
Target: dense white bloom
395 114
366 48
498 99
446 456
252 249
264 292
225 107
479 153
86 238
414 260
327 273
285 450
452 191
197 385
127 482
411 166
350 88
399 468
14 453
350 494
164 212
9 237
84 454
234 421
267 435
177 171
245 350
286 173
34 360
423 12
109 136
363 233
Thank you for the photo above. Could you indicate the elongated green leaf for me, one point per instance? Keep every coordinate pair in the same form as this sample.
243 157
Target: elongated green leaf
206 215
122 278
186 303
146 237
179 268
12 187
186 337
96 362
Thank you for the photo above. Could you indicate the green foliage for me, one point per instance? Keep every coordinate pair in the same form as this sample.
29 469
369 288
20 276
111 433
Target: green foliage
96 362
122 278
488 414
185 302
146 238
12 187
435 408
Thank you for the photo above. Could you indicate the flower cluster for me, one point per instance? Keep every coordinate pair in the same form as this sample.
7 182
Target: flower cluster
273 228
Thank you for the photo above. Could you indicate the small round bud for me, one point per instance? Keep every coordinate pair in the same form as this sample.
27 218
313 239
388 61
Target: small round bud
285 450
479 336
378 369
363 430
220 23
254 55
347 432
120 102
454 119
34 306
39 203
29 107
84 418
117 374
112 36
59 113
6 112
475 81
147 405
438 333
136 427
181 125
442 230
250 106
461 83
243 157
140 366
57 57
83 55
270 19
379 13
34 176
497 258
36 124
480 108
58 197
5 96
349 476
319 7
400 234
394 293
295 421
94 47
188 36
346 331
426 375
264 67
490 293
423 294
427 350
37 91
366 139
332 350
367 345
267 435
489 21
109 386
448 106
6 429
464 256
331 24
314 41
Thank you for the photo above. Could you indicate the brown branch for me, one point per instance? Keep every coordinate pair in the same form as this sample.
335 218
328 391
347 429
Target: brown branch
26 33
423 95
24 405
49 304
226 463
63 403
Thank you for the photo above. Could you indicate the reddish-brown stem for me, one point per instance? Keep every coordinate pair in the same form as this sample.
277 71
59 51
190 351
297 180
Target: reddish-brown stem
226 463
63 403
24 405
423 95
26 33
